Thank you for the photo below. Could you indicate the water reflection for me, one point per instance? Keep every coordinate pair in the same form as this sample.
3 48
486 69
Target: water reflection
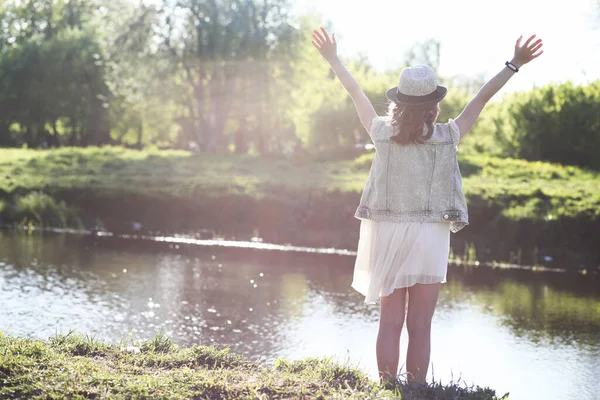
270 304
536 306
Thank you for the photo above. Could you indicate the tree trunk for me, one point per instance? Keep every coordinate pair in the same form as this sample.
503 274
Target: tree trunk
53 138
241 142
5 136
30 137
140 135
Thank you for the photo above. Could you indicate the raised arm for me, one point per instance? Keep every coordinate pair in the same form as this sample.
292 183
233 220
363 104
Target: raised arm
523 54
328 48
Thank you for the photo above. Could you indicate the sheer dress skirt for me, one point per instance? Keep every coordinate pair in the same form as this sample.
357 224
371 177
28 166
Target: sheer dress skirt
394 255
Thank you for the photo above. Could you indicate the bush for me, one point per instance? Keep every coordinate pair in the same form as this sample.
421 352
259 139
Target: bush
39 209
555 123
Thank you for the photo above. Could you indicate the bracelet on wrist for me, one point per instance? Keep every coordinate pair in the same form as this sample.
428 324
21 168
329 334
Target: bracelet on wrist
512 66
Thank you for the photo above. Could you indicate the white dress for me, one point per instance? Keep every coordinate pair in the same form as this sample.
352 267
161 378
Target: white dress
394 255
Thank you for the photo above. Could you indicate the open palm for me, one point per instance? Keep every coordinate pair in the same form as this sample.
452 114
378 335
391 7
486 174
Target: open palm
327 46
528 51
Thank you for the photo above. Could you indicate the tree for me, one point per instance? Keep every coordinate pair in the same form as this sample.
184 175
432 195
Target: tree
553 123
427 52
52 79
54 87
141 106
220 50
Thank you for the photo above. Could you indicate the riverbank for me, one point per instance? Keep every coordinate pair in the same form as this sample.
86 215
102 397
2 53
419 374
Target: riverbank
524 212
78 366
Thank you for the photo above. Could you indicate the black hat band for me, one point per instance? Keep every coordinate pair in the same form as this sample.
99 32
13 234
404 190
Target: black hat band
417 99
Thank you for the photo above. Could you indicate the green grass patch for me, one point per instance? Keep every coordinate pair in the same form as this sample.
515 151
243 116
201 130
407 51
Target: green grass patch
516 189
79 366
538 191
172 173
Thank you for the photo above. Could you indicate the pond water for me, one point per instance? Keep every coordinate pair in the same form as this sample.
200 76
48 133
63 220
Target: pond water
535 335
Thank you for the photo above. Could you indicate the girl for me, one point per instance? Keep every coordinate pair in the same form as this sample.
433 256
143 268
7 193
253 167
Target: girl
412 200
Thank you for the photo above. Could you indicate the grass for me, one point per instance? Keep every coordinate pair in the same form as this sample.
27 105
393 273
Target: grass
519 189
173 173
532 190
81 367
39 209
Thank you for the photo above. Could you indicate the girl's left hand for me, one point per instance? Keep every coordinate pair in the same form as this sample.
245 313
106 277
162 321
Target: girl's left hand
527 52
326 46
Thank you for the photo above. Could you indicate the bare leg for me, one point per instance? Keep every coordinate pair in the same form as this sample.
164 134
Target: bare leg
391 320
421 306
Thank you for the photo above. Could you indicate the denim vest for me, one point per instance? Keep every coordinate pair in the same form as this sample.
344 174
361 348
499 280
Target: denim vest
415 183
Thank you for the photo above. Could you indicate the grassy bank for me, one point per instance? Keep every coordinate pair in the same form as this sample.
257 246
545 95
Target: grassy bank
75 366
524 190
282 200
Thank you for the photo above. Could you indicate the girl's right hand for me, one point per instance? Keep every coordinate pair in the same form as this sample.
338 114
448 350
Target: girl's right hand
326 46
529 51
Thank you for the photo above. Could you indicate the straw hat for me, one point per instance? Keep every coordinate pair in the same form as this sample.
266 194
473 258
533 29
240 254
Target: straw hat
417 86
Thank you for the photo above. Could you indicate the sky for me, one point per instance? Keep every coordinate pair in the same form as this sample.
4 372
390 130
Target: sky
477 36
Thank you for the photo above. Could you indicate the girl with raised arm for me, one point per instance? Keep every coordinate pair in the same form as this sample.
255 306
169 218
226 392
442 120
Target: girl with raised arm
412 200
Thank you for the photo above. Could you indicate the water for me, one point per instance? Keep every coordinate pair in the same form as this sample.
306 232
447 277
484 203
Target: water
535 335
